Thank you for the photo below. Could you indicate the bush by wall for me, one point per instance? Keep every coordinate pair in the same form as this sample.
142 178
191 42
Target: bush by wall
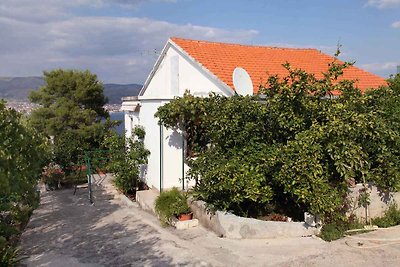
390 218
23 153
294 151
126 156
171 203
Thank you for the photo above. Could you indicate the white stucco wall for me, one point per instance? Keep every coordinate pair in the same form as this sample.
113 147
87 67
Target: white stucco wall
165 150
174 74
131 120
172 158
128 126
151 141
379 201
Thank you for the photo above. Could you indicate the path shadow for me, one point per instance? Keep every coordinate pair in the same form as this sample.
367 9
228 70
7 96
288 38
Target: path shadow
68 225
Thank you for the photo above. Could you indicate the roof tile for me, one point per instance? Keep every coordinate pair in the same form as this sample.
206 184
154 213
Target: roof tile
261 61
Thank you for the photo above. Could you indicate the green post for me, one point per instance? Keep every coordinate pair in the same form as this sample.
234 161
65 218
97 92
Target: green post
183 161
161 157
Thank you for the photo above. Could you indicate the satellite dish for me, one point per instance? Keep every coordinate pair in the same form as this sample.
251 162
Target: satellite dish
242 82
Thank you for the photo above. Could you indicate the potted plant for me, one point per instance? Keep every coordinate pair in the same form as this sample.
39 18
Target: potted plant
172 204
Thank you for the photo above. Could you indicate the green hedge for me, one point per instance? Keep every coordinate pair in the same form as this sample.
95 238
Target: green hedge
23 153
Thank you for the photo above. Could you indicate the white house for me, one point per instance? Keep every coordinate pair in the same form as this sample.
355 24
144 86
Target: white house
203 67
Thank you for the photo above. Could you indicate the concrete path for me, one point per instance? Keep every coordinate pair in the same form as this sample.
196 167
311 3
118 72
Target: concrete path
67 231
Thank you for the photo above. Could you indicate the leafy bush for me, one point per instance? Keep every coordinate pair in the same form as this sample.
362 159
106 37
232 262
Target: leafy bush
293 151
170 204
390 218
231 183
126 156
139 132
9 256
23 154
332 231
336 230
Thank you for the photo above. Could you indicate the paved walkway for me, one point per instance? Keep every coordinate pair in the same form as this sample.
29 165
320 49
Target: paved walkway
67 231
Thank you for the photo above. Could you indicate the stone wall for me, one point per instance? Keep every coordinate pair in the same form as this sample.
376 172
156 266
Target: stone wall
231 226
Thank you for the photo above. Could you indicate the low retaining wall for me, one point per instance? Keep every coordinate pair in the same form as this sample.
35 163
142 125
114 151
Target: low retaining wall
231 226
146 199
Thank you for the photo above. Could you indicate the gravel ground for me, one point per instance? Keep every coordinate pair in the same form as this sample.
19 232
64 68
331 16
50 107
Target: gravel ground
66 230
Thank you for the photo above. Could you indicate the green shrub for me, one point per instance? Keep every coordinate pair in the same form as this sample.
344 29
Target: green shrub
170 204
299 145
332 231
23 154
126 156
139 132
7 230
390 218
336 230
231 183
9 256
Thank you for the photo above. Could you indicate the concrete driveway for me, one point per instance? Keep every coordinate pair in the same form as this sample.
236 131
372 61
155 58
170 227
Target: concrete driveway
66 230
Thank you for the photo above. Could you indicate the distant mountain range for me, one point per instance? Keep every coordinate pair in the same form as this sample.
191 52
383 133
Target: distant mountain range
114 92
17 88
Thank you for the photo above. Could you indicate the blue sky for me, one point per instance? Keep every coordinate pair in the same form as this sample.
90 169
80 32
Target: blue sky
119 39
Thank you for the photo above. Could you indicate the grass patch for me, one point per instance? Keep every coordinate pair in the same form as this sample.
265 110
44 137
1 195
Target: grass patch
336 230
390 218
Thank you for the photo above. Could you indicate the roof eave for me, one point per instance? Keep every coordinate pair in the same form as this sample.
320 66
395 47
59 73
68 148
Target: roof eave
212 76
155 67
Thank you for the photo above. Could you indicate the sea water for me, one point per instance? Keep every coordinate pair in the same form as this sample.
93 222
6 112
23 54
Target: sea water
118 116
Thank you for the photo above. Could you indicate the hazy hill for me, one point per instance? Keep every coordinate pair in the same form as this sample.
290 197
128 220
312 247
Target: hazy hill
17 88
114 92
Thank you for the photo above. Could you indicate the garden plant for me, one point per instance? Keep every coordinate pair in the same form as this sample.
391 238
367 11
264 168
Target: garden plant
71 110
126 157
292 148
23 154
170 204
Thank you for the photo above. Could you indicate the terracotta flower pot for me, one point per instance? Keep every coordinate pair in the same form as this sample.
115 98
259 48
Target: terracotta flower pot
185 217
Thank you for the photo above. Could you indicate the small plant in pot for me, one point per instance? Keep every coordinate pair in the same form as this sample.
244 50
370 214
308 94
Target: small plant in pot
172 204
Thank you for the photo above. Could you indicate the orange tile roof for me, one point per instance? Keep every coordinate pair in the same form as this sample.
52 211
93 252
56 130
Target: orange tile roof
262 61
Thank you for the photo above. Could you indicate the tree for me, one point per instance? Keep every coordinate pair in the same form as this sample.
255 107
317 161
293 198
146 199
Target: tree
71 109
23 153
296 150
